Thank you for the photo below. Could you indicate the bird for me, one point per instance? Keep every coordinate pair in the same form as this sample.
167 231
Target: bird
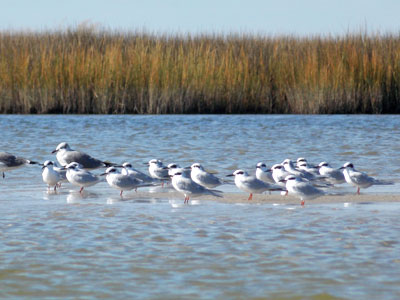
50 176
310 169
66 155
289 167
204 178
359 179
80 177
122 182
10 162
334 176
173 166
184 184
127 169
279 173
252 185
263 173
158 171
301 188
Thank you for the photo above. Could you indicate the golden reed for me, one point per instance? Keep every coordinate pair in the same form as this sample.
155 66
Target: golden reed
82 70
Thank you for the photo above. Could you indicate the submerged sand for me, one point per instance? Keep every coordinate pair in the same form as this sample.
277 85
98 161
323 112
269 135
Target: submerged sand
277 198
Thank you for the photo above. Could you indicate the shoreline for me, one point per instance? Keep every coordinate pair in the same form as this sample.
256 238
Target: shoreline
237 198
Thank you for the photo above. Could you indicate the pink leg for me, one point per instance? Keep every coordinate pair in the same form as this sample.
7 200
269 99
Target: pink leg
55 187
250 197
80 191
302 202
358 191
121 193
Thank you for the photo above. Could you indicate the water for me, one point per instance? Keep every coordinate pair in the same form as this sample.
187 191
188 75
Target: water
99 246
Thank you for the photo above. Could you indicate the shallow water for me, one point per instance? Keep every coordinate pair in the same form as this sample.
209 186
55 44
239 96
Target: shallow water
98 246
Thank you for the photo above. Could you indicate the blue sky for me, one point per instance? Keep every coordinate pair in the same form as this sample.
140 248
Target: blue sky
301 17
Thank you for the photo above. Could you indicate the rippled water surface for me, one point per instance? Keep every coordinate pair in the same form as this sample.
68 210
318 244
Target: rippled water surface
98 245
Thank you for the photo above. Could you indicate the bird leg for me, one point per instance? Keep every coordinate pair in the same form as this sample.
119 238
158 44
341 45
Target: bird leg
55 188
80 191
250 197
4 175
121 193
302 202
358 191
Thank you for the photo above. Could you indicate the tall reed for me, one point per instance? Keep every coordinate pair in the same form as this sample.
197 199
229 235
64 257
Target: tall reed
82 70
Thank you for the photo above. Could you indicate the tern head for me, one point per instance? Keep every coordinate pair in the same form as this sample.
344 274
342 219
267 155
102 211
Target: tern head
127 165
73 166
47 163
61 146
196 166
238 173
348 165
110 170
176 173
262 166
277 167
301 160
289 178
323 164
173 166
155 162
287 161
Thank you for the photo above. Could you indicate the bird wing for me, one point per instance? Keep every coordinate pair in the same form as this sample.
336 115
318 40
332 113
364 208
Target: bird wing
84 159
208 178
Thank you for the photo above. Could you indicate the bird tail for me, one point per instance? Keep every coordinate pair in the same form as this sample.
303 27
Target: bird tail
383 182
216 193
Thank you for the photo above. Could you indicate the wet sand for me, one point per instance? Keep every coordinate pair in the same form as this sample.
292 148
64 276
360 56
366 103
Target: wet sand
276 198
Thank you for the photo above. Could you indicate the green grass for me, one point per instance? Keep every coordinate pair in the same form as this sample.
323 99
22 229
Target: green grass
81 70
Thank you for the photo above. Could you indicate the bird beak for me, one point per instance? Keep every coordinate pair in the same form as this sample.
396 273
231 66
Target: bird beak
102 174
43 167
165 168
170 176
282 180
187 168
230 175
341 168
269 170
147 164
54 151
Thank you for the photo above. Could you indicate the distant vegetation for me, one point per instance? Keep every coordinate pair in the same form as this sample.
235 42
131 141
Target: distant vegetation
84 70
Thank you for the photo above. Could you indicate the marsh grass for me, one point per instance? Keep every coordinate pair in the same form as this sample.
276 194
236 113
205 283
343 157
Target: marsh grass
84 70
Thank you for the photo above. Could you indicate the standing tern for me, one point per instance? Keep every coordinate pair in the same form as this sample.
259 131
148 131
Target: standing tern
185 185
204 178
360 179
252 185
334 176
80 177
127 169
122 182
50 176
302 189
263 173
158 171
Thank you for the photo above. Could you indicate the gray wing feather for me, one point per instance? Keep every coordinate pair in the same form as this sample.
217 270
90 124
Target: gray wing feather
84 159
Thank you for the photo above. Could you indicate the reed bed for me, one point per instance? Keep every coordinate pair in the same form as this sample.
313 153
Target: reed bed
84 70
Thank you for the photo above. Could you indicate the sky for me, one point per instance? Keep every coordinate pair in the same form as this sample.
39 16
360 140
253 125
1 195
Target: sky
298 17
